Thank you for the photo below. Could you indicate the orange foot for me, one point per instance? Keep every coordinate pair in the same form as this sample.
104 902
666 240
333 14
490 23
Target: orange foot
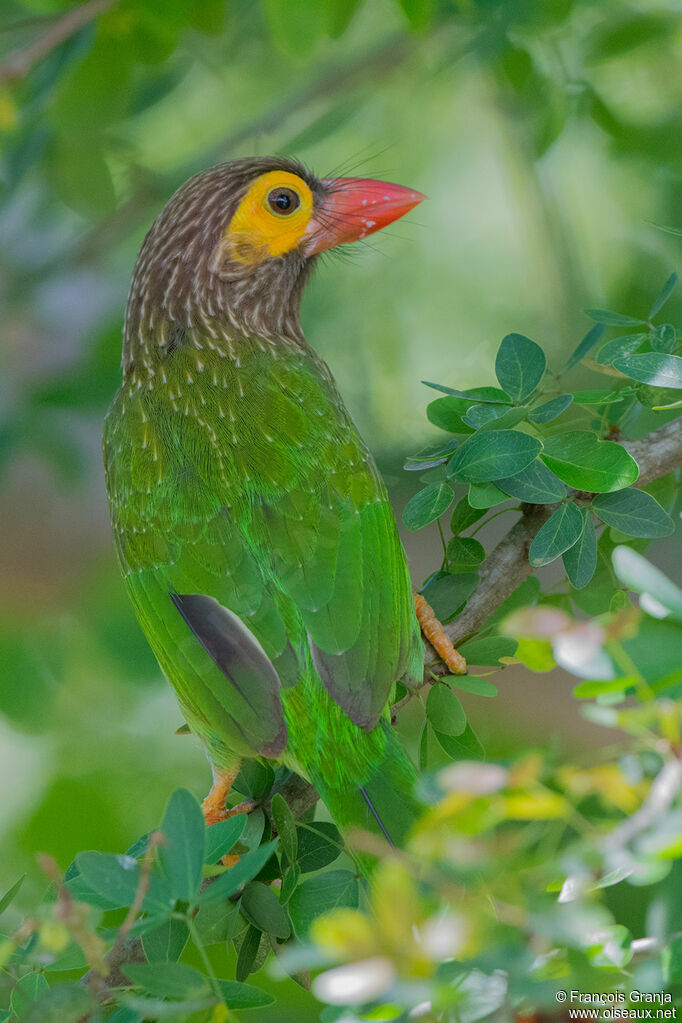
214 808
434 632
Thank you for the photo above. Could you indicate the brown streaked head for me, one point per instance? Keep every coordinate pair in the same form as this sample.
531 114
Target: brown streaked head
231 251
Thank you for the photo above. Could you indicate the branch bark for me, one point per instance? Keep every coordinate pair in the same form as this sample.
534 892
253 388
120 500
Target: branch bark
507 566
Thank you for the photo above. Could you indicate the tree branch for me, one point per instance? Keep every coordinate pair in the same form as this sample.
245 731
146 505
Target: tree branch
507 566
18 64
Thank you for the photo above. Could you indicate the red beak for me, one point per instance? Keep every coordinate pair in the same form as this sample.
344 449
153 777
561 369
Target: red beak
355 208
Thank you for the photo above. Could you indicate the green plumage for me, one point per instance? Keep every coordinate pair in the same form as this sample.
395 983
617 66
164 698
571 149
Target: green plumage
235 473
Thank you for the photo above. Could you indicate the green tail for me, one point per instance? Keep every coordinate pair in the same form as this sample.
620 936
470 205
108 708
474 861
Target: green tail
384 804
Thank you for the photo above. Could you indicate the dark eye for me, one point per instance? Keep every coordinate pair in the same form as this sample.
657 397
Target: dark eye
283 201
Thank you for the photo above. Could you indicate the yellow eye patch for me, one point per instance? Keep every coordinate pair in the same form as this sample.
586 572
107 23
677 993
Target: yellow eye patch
271 218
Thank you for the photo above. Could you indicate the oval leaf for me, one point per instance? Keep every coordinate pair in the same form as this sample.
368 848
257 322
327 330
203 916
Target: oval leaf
286 826
222 836
182 856
262 908
464 516
654 368
444 710
536 484
487 457
246 868
580 560
464 553
625 345
559 533
586 463
320 894
319 844
449 591
665 293
593 335
551 409
428 505
634 512
519 366
482 496
612 319
167 980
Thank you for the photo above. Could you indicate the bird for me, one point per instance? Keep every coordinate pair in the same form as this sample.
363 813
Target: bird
253 529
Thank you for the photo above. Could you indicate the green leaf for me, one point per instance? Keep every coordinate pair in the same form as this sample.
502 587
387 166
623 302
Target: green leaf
586 463
478 415
248 951
286 826
246 868
488 651
30 988
653 368
482 496
634 512
580 560
625 345
535 484
559 533
471 684
492 394
449 591
641 576
461 747
428 505
593 335
464 516
464 553
167 980
664 338
550 410
595 397
613 319
166 943
11 893
320 894
66 1003
519 366
216 922
492 456
291 875
117 879
182 856
222 836
510 418
319 844
665 293
244 996
446 413
253 781
261 907
444 710
431 456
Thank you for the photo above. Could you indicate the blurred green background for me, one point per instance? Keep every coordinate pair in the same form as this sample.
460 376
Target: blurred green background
548 137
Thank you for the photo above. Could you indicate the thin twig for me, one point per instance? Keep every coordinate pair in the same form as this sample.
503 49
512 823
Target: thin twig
19 62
